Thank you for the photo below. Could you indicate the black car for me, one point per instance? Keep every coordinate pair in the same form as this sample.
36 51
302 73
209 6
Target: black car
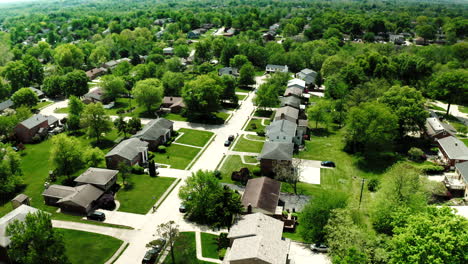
182 208
150 256
328 164
231 138
227 143
160 244
95 215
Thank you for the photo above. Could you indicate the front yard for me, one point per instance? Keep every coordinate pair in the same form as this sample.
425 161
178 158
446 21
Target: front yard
194 137
185 251
233 163
89 248
255 125
177 156
142 192
245 145
209 245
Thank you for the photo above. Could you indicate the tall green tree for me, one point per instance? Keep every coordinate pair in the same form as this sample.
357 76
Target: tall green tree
76 83
173 82
68 55
54 85
266 96
247 75
451 86
10 170
170 232
95 120
25 97
148 93
320 113
66 155
202 96
35 69
35 241
17 73
113 86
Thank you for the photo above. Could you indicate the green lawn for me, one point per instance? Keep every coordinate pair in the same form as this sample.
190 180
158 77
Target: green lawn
245 145
264 113
142 192
174 117
89 248
293 236
42 104
63 110
209 245
194 137
233 163
243 89
250 159
185 251
222 115
255 137
465 140
178 156
255 125
463 109
241 97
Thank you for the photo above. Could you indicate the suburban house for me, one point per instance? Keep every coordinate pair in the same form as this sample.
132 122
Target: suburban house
303 127
95 96
457 183
261 195
168 51
6 104
196 33
283 131
297 83
19 214
396 39
308 76
461 170
274 154
110 64
96 72
35 125
19 200
40 94
104 179
172 104
293 91
228 71
156 132
131 151
435 129
230 32
291 101
257 239
287 113
81 199
269 36
452 151
271 68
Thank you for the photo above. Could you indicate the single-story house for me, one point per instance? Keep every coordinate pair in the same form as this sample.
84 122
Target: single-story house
95 96
262 195
228 71
461 171
271 68
6 104
291 101
293 91
156 132
257 239
269 36
110 64
274 27
96 72
131 151
452 151
196 33
274 154
27 129
52 121
283 131
396 39
104 179
81 199
436 129
173 104
287 113
230 32
308 76
297 83
168 51
19 214
40 94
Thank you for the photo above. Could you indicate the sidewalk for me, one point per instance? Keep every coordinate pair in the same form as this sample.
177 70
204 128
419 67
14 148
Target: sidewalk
199 249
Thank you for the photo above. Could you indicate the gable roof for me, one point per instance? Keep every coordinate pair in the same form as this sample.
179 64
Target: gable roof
277 67
463 169
6 104
58 191
434 126
307 75
19 214
259 248
52 120
173 101
83 195
257 224
454 148
291 101
287 111
228 71
34 121
154 129
97 176
262 193
38 92
293 91
128 148
280 128
277 151
96 94
297 82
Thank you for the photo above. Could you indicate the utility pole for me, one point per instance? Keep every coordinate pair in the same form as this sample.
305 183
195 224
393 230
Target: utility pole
362 189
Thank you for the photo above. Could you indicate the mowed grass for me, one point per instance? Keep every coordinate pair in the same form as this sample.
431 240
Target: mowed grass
142 192
245 145
178 156
194 137
209 245
89 248
465 140
255 125
185 250
233 163
463 109
241 97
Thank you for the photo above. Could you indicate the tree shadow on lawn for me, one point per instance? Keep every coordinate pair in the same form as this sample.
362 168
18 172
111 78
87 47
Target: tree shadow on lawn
103 144
377 163
321 132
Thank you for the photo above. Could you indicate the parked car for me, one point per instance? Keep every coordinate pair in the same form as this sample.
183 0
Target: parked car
95 215
182 208
319 248
227 143
231 138
150 256
328 164
160 244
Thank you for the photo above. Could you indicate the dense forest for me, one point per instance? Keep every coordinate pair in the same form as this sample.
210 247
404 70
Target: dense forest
376 90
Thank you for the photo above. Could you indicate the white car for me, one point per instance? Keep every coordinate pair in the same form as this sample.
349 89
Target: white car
319 248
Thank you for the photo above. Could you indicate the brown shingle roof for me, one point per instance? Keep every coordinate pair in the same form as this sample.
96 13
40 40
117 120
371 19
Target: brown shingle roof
262 193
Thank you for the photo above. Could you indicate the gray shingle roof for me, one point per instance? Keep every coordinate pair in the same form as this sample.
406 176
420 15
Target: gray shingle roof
6 104
277 151
293 91
58 191
96 94
434 126
38 92
83 196
19 214
291 101
34 121
128 148
262 193
257 224
228 71
297 83
154 129
463 169
307 75
454 148
97 176
287 111
281 128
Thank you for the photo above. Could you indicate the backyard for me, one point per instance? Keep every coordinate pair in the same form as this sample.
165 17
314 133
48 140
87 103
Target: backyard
89 248
245 145
142 192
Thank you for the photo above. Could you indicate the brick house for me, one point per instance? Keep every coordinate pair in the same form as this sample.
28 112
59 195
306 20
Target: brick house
131 151
435 129
172 104
26 130
156 132
81 199
274 154
104 179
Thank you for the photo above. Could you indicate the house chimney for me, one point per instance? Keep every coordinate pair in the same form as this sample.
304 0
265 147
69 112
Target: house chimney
249 208
282 115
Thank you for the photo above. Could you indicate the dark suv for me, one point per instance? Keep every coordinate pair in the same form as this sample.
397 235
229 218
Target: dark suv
150 256
95 215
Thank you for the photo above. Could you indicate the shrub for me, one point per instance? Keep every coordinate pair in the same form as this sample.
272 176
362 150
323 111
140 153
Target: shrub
253 126
120 111
416 154
432 169
435 149
217 174
261 133
137 169
256 171
222 253
161 149
373 185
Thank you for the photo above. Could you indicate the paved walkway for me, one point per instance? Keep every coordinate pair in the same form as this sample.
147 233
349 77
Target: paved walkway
454 111
122 234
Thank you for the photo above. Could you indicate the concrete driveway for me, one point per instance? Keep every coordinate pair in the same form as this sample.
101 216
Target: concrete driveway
122 218
309 170
302 254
